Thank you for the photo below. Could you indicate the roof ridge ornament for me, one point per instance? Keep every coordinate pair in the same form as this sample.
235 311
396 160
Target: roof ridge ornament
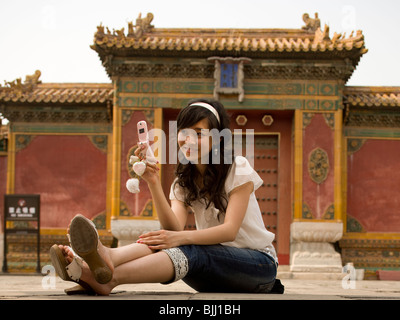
142 26
321 36
31 81
311 24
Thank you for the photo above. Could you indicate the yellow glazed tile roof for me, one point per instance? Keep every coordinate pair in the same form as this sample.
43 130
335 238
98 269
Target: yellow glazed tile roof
87 93
372 96
143 37
262 40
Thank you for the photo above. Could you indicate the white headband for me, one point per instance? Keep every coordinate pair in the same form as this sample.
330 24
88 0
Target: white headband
208 107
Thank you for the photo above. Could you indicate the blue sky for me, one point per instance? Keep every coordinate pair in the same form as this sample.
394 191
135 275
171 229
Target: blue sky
54 36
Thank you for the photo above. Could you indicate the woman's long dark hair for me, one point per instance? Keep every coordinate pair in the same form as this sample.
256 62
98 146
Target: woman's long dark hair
213 189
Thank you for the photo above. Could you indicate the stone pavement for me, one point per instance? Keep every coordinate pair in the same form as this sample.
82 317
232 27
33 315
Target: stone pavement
38 287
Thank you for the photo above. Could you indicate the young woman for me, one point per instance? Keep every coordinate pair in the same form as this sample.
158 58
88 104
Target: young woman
231 251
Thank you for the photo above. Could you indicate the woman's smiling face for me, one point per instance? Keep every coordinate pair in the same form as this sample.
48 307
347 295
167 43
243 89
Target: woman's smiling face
196 142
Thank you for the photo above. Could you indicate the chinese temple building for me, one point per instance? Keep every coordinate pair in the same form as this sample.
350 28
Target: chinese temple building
328 153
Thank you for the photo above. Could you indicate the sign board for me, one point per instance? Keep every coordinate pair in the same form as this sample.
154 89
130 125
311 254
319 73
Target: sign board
21 207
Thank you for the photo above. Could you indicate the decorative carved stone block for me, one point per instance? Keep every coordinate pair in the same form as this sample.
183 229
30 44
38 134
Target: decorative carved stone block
128 231
312 249
315 257
316 231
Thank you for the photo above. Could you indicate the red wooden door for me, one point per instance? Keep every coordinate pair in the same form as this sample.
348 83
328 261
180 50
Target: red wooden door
266 152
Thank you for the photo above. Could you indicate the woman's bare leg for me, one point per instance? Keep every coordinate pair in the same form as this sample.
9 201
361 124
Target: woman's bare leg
115 256
134 263
126 253
152 268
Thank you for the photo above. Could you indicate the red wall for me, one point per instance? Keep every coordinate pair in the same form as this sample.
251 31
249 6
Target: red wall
70 174
373 184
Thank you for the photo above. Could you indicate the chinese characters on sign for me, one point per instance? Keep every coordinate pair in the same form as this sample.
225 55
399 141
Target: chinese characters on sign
21 212
22 207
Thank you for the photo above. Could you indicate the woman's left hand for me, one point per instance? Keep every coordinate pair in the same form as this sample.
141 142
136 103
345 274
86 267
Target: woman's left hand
161 239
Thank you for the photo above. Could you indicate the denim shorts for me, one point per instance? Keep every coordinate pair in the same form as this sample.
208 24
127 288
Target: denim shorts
219 268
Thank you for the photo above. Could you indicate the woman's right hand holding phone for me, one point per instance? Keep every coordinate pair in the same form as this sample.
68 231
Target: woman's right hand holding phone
150 175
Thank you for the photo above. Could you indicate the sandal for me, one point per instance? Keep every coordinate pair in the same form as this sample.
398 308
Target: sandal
84 241
69 272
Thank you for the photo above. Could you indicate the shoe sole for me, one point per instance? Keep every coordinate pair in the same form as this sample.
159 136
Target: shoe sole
60 265
59 262
84 241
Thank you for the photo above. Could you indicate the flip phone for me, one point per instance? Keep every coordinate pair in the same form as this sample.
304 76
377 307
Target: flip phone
143 135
